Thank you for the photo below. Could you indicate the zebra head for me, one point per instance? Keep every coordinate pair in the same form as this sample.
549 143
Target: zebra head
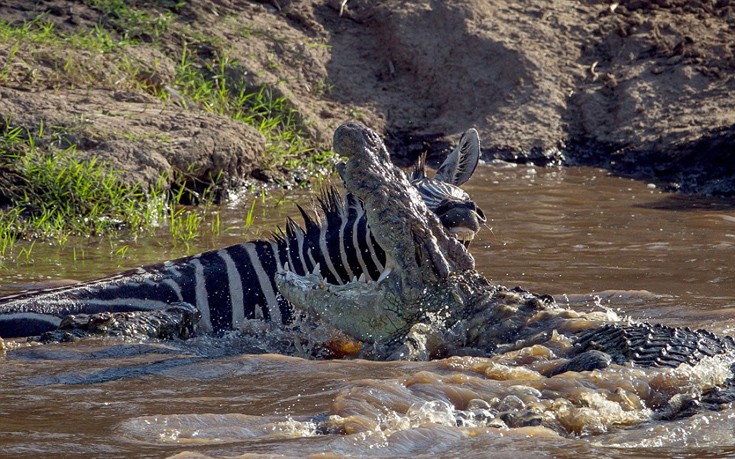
442 194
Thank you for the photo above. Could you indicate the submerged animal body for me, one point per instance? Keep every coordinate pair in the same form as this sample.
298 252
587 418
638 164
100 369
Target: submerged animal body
236 283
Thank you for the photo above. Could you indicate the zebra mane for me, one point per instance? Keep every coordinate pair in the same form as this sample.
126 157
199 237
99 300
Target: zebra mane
329 208
419 169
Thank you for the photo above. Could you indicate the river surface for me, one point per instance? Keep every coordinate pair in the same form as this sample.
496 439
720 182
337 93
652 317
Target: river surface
593 241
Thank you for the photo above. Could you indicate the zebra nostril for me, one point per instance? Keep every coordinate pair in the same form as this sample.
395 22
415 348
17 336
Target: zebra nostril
479 213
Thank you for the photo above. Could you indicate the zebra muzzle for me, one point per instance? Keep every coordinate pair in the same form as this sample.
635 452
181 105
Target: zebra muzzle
462 234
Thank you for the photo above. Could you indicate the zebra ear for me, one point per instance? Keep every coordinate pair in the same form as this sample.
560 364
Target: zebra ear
419 170
461 163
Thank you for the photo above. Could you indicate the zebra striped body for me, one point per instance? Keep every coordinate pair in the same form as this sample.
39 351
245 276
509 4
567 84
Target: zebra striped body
228 285
232 284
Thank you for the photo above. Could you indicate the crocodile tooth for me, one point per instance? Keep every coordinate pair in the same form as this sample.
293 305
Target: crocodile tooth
316 269
363 278
389 265
354 279
285 268
385 273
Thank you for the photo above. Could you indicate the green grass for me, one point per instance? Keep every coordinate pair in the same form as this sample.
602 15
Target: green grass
133 23
52 194
218 87
43 32
40 55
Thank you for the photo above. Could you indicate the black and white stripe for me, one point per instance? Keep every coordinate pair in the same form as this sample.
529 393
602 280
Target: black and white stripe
228 285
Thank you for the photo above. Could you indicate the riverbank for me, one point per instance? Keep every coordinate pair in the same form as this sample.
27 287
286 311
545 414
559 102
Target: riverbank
250 90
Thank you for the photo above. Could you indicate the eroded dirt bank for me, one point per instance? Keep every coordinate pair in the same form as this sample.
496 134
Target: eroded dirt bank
642 87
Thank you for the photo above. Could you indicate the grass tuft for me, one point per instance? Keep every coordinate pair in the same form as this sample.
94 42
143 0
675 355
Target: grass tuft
52 194
39 31
133 23
218 87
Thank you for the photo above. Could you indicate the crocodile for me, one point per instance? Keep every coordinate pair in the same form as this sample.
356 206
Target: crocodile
435 304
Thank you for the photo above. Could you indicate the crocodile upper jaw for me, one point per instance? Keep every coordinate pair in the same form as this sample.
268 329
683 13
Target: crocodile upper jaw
422 252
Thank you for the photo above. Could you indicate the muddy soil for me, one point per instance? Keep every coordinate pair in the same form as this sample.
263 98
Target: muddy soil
645 88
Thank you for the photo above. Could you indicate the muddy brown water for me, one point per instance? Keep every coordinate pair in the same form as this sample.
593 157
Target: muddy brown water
593 241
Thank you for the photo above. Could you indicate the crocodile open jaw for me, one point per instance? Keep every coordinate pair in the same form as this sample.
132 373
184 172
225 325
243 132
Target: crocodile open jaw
420 250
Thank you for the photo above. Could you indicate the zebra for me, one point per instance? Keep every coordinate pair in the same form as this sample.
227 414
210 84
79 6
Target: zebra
234 284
